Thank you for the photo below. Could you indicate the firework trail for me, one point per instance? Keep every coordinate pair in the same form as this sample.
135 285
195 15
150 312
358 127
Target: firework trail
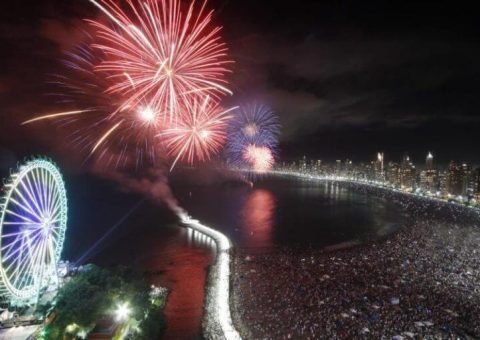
253 138
198 134
163 52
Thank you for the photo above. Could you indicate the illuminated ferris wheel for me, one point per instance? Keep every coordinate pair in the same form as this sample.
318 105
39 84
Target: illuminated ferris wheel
32 229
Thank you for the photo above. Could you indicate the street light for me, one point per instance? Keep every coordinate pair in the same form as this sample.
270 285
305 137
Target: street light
122 312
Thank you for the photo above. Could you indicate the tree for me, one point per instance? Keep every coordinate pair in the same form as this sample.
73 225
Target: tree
94 293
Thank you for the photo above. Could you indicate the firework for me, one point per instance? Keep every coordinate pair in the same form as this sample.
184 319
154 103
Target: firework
107 128
256 123
260 158
253 137
145 72
198 134
161 52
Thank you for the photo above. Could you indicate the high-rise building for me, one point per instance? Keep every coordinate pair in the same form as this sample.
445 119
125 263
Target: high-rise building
429 176
303 164
429 162
316 165
443 182
379 171
338 167
348 168
454 186
458 179
392 174
467 180
476 184
362 171
407 173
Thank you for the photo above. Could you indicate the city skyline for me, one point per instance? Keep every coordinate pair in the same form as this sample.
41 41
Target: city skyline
457 181
440 158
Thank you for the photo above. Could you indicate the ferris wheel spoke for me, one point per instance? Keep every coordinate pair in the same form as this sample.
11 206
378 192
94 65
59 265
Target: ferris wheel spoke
16 263
17 239
21 223
54 244
15 260
31 192
39 260
23 278
10 264
38 190
26 266
25 201
55 210
46 258
51 251
12 239
49 192
38 181
8 247
30 179
53 198
55 235
26 219
16 251
20 270
25 208
13 234
54 223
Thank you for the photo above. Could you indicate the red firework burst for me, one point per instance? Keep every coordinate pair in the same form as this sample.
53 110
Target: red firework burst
259 157
199 134
162 52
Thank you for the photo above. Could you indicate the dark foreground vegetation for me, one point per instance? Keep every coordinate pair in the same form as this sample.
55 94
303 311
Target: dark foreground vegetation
118 302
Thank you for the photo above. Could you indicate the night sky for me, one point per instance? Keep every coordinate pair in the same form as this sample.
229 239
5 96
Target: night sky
347 78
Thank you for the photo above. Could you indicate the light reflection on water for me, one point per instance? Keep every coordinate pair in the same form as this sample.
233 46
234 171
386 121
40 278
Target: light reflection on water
257 222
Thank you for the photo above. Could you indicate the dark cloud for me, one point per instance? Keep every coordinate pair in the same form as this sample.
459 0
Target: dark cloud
402 83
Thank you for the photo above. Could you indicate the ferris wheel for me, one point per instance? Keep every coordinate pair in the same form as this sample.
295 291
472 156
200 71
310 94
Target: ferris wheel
32 229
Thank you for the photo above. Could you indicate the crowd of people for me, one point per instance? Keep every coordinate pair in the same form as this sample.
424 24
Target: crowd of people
421 282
